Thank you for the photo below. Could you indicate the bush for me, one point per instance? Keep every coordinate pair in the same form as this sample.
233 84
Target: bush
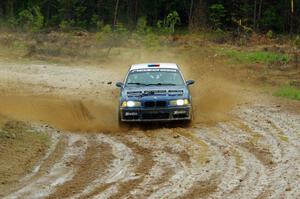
172 20
296 42
66 25
96 22
141 26
270 34
217 15
31 19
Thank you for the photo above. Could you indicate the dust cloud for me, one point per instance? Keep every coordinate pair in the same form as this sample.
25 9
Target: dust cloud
213 101
65 114
214 96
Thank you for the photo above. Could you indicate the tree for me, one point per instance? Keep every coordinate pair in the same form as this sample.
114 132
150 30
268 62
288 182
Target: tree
116 13
172 19
198 19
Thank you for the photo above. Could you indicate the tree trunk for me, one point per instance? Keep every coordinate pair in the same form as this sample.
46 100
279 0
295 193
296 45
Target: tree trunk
9 8
116 13
259 13
199 15
1 9
136 10
191 12
292 17
254 14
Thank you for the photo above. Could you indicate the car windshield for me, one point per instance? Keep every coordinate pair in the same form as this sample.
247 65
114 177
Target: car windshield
154 77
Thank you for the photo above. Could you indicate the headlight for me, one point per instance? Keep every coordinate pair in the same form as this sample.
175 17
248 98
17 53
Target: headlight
131 104
179 102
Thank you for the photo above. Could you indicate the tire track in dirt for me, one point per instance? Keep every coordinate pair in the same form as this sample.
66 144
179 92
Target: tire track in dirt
288 163
255 156
55 151
95 162
121 169
144 161
59 173
170 154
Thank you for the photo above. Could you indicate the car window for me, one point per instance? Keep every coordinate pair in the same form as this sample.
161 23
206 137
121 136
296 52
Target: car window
154 78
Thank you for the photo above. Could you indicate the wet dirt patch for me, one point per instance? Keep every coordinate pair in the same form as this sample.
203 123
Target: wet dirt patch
183 155
141 170
97 158
262 154
202 189
20 149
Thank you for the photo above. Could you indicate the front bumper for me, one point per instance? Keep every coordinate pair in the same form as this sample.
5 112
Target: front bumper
155 114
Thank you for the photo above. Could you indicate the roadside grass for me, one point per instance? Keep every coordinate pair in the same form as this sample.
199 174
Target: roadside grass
288 91
256 56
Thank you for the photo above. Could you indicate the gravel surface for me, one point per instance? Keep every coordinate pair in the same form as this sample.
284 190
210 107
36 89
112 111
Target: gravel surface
254 154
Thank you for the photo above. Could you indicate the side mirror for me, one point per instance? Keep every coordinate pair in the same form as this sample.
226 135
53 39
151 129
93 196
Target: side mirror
119 84
190 82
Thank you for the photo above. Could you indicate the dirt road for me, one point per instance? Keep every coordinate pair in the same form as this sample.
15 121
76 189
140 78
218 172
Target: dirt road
249 151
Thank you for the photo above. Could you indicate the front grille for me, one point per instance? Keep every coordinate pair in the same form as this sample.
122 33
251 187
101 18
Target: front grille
134 93
161 103
155 92
150 116
151 104
175 92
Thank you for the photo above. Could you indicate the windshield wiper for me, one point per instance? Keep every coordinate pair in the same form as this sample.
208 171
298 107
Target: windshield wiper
137 83
162 84
157 84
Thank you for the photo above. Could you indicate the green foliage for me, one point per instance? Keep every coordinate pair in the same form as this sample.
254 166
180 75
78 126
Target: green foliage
97 22
256 56
270 34
168 24
141 26
172 20
288 91
161 27
106 29
216 15
31 19
271 19
66 25
94 14
296 42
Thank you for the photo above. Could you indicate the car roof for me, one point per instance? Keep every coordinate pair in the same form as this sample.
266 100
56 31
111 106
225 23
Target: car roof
153 65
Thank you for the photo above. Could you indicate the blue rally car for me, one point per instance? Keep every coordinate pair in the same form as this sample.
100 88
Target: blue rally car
155 92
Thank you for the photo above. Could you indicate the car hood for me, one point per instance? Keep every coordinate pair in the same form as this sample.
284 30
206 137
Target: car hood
157 92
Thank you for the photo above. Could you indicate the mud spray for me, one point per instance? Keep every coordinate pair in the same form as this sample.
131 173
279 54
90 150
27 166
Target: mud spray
213 100
65 114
